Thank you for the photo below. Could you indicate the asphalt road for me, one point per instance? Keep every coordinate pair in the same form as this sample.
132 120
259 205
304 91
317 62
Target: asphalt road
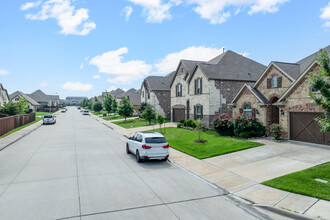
78 169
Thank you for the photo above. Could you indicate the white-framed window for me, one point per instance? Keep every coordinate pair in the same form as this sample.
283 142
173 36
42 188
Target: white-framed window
274 81
198 112
247 110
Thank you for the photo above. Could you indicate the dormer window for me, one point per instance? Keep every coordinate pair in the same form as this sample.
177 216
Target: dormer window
274 81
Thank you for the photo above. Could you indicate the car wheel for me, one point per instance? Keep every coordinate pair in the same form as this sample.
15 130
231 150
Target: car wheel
127 149
137 157
165 159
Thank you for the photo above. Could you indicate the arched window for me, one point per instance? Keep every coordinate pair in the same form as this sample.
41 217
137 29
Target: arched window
274 81
247 110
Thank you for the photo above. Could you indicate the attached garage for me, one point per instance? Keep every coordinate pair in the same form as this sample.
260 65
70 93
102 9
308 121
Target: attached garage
303 127
179 114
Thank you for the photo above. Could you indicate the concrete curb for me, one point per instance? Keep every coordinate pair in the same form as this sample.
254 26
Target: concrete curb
283 212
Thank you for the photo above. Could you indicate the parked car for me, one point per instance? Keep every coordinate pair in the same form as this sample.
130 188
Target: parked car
49 119
147 146
63 110
85 112
78 107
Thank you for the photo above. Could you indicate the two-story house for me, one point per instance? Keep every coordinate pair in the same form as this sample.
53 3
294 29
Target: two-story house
281 96
156 91
202 90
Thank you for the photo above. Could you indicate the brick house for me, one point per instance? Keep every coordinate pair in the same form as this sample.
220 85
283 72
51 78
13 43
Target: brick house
202 90
156 91
281 96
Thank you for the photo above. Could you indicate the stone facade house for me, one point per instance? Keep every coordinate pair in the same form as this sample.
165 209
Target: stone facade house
156 91
281 96
16 96
4 98
134 98
202 90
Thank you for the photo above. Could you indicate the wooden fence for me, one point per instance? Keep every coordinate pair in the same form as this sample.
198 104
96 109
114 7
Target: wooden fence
47 109
9 123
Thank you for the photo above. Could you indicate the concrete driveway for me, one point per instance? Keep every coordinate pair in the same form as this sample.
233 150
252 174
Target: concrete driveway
78 169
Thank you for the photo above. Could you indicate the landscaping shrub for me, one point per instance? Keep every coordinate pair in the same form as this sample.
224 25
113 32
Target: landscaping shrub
242 126
181 121
185 123
179 125
189 123
276 131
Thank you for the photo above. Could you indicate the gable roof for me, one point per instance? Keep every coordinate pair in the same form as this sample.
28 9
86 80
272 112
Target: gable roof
307 61
5 90
118 93
160 83
292 69
262 99
128 92
134 98
231 66
27 97
40 96
54 97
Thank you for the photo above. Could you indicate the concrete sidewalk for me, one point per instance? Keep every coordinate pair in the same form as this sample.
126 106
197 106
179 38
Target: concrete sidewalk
241 173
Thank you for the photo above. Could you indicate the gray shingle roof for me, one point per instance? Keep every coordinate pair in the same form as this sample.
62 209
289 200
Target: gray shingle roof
54 97
259 94
134 98
40 96
232 66
118 93
128 92
27 97
307 61
160 83
292 69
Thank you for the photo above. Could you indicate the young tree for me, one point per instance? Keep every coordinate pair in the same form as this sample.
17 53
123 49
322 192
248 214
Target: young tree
9 109
149 114
114 105
143 106
108 99
160 120
199 127
22 106
125 109
89 104
97 107
320 81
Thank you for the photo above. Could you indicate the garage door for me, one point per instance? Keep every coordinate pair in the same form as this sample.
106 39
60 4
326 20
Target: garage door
178 114
304 128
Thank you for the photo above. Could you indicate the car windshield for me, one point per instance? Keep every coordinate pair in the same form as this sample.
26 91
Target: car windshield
48 116
155 140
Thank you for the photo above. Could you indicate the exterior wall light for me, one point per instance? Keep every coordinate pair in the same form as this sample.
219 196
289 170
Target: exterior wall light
282 112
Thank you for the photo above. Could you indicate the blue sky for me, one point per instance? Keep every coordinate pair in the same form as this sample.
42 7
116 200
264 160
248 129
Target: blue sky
84 47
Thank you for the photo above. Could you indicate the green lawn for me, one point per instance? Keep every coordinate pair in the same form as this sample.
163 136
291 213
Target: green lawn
184 141
19 128
98 113
115 117
134 123
303 182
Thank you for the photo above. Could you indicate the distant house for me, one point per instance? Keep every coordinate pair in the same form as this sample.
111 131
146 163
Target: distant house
4 98
118 94
74 100
55 99
202 90
16 96
156 91
40 97
134 98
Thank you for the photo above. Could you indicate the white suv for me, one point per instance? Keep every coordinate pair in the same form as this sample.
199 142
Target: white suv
148 146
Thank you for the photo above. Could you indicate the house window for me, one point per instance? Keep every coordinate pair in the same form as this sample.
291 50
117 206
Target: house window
179 90
143 94
274 83
247 110
148 95
198 112
198 91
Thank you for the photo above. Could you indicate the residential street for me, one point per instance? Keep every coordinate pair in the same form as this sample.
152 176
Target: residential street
78 168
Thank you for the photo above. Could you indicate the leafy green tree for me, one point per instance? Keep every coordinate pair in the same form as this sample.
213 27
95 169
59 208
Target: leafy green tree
10 108
114 105
149 114
95 99
84 103
320 81
160 120
22 106
97 106
143 106
89 104
125 109
108 99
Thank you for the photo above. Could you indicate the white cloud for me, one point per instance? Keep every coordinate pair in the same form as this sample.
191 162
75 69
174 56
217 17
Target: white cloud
72 21
44 84
112 63
76 86
156 10
112 88
325 15
219 11
245 54
96 77
81 66
30 5
127 12
4 72
171 61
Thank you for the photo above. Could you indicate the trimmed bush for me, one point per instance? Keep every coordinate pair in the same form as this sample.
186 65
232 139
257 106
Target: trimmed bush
223 124
276 131
179 125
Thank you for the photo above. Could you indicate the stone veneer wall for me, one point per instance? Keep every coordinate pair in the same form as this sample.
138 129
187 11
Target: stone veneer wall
298 101
164 102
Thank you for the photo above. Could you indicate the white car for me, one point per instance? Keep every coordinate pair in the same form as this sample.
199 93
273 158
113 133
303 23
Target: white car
49 119
148 146
63 110
85 112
